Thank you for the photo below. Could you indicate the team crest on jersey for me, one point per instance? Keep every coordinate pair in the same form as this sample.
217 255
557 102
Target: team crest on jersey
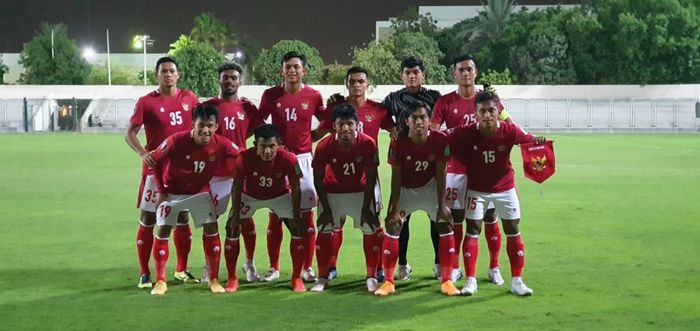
304 105
359 159
369 118
500 148
431 157
185 107
212 158
241 116
278 175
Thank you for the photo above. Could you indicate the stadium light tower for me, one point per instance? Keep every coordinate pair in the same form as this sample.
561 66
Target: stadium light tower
143 41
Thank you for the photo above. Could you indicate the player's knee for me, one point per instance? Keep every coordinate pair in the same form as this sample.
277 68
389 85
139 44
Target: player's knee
148 218
368 229
183 217
163 231
210 228
490 215
444 227
473 227
457 215
510 227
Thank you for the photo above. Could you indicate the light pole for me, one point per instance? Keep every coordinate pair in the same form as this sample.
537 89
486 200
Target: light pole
143 41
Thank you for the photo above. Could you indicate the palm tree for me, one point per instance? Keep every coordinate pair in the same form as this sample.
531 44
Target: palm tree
210 30
487 25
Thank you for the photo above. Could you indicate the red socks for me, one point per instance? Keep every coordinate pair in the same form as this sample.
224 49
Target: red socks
470 249
144 245
324 251
371 244
458 230
297 249
446 251
161 252
309 236
516 254
249 237
183 243
212 252
337 242
390 256
493 240
231 251
274 240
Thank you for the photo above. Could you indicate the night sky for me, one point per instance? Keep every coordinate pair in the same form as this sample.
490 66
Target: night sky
333 27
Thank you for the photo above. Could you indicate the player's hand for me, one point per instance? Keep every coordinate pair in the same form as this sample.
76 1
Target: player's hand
392 222
325 218
147 158
539 140
247 101
394 133
162 197
444 214
369 218
233 225
335 99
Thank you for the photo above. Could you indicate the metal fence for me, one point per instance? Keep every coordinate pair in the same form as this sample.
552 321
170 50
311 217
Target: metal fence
546 115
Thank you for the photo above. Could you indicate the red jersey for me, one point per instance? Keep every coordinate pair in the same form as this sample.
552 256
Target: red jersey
162 116
292 114
266 180
418 161
373 116
454 110
345 167
236 120
488 158
183 167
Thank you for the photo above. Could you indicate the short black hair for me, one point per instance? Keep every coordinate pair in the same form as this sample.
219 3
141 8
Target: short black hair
408 110
231 66
344 111
266 131
166 59
294 54
463 57
356 70
411 62
204 111
483 96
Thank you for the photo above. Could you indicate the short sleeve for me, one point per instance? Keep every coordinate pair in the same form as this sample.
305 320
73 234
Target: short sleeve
394 158
139 110
439 112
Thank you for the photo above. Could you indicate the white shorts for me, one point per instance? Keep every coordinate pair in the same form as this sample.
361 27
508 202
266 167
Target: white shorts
200 206
148 194
506 203
349 204
455 190
281 206
306 184
220 188
421 198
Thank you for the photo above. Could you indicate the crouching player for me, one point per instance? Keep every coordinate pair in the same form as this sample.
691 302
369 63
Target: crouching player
267 176
345 174
185 163
485 148
418 161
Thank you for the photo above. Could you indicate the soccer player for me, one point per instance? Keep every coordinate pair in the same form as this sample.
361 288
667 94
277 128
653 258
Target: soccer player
185 163
162 113
372 116
418 161
455 109
267 176
345 173
485 148
292 106
238 117
412 75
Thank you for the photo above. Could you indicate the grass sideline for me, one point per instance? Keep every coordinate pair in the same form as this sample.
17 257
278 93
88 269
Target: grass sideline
611 244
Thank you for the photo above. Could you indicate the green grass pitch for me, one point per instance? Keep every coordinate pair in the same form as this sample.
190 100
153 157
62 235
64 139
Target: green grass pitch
611 244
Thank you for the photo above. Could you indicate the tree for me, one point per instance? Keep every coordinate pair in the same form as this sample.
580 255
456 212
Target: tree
379 60
487 26
198 64
494 77
411 21
3 70
269 63
65 67
421 46
120 75
212 31
334 74
451 42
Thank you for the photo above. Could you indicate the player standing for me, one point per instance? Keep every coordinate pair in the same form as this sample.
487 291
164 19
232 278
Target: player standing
345 173
485 149
412 75
292 106
185 163
417 161
162 113
267 176
455 109
238 117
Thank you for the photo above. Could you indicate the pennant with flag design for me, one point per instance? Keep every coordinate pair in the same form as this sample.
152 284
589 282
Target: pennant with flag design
538 160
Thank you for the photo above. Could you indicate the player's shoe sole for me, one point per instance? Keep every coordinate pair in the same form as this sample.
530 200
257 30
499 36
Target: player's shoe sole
145 281
448 288
215 286
186 277
160 288
232 285
386 289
